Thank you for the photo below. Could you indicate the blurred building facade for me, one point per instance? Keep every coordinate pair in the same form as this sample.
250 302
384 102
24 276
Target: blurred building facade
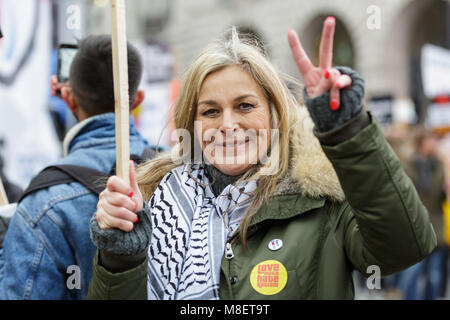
382 39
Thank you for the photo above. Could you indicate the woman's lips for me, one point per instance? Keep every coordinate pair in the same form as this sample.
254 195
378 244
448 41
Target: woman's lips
232 144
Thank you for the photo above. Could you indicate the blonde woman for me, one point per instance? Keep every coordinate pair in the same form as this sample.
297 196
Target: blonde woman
262 198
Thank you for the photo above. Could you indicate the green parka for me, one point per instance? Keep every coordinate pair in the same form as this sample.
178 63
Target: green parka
353 209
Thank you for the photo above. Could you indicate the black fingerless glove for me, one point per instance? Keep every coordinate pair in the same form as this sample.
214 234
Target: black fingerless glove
120 250
350 104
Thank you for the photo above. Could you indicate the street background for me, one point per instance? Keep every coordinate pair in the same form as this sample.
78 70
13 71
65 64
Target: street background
400 47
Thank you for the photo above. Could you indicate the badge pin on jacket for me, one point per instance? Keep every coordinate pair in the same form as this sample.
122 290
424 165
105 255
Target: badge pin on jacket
275 244
268 277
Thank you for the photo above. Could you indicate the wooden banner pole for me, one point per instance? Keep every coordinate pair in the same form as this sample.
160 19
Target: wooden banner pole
3 197
120 69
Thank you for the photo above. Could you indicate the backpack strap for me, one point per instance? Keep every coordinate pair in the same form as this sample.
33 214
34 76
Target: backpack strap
63 174
149 153
93 180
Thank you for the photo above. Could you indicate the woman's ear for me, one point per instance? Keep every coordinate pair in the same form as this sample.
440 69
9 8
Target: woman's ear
140 96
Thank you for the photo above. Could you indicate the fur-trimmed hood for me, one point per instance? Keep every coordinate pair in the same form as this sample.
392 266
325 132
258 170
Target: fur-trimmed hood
310 172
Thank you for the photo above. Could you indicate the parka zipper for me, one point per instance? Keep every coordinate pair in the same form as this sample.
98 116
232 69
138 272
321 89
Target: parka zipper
229 255
229 251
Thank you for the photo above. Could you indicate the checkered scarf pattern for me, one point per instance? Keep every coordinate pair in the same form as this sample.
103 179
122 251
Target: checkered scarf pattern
190 228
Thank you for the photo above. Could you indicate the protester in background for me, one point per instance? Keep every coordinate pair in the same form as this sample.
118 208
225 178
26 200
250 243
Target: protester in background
427 173
210 225
48 238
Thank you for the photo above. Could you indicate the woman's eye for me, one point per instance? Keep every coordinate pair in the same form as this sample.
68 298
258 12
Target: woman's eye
209 112
246 106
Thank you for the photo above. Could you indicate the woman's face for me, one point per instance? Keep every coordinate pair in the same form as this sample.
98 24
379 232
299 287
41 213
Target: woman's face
233 119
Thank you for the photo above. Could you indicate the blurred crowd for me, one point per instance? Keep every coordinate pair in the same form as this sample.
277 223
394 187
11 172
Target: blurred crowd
424 154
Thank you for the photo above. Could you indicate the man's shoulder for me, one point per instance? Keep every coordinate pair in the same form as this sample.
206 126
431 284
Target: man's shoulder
66 199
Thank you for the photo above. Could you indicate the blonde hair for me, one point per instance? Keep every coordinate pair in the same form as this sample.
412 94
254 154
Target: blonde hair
228 51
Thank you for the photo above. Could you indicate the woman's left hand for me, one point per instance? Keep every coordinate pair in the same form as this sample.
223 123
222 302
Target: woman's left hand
322 78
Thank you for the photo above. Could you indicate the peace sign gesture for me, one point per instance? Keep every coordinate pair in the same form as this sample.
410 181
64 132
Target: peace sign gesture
323 78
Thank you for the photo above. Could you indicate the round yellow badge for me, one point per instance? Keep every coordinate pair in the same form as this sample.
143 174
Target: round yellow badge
268 277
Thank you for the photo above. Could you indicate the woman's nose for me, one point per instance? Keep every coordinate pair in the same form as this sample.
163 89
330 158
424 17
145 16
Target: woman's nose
229 122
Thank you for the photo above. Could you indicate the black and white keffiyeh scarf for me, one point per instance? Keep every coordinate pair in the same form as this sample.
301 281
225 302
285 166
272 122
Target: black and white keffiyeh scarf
190 228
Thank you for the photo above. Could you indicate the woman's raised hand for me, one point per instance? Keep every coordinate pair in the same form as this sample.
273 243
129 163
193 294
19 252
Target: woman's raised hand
119 202
322 78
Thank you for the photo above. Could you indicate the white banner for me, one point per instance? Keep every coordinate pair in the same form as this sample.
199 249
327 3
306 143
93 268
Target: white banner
153 116
381 108
435 71
8 210
438 116
29 140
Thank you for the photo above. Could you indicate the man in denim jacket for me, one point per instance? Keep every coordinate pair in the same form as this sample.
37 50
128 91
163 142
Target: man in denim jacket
47 252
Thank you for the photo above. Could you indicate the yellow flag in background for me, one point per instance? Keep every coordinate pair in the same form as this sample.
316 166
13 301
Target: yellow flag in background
446 208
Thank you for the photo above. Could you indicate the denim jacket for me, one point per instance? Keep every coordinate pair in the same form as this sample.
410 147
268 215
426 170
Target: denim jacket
47 251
